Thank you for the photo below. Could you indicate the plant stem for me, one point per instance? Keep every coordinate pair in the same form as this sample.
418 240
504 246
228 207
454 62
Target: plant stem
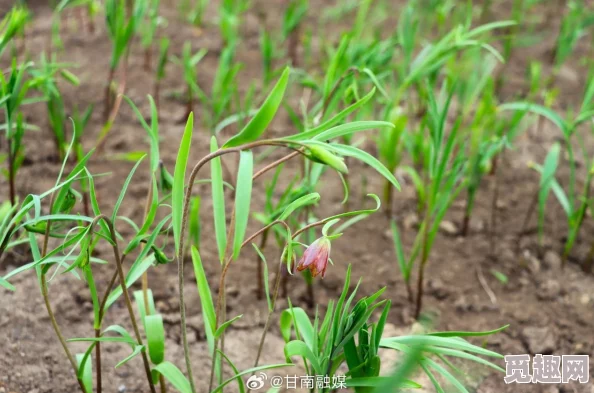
424 259
107 98
10 162
270 313
122 277
493 226
259 273
48 307
156 92
148 54
388 192
465 222
98 360
162 383
116 105
527 218
293 46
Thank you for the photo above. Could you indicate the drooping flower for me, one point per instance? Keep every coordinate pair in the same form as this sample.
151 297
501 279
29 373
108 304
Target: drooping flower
316 256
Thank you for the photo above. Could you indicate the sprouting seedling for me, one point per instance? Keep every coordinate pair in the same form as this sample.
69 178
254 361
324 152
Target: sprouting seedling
45 77
230 12
195 14
575 208
223 90
161 66
574 203
572 28
93 8
13 92
121 28
189 62
13 25
267 51
510 39
80 121
294 14
487 134
412 71
442 180
148 30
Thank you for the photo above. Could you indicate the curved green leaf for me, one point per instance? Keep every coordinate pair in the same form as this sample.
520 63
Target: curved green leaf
257 125
298 203
174 376
87 372
300 348
155 337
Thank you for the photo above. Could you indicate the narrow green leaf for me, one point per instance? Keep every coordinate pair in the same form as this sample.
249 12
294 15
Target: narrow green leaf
155 337
305 200
468 334
124 189
218 201
258 124
87 373
225 325
243 196
299 348
264 275
135 352
174 376
6 284
208 310
177 193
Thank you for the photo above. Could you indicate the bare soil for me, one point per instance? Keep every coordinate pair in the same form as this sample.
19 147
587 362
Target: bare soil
549 310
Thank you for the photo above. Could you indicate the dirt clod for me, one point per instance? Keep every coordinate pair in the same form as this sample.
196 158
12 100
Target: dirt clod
540 340
551 260
448 228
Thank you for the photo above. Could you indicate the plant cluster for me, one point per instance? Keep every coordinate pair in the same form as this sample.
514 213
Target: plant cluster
428 89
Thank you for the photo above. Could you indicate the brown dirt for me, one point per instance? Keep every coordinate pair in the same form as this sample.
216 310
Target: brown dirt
535 296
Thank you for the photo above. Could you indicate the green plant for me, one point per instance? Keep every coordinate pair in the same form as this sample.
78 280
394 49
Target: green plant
574 203
121 28
148 31
230 12
12 25
45 79
13 92
437 187
346 335
160 71
188 62
294 13
224 89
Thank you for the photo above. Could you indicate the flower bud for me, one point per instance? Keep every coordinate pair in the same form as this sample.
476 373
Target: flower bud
316 256
160 257
319 154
